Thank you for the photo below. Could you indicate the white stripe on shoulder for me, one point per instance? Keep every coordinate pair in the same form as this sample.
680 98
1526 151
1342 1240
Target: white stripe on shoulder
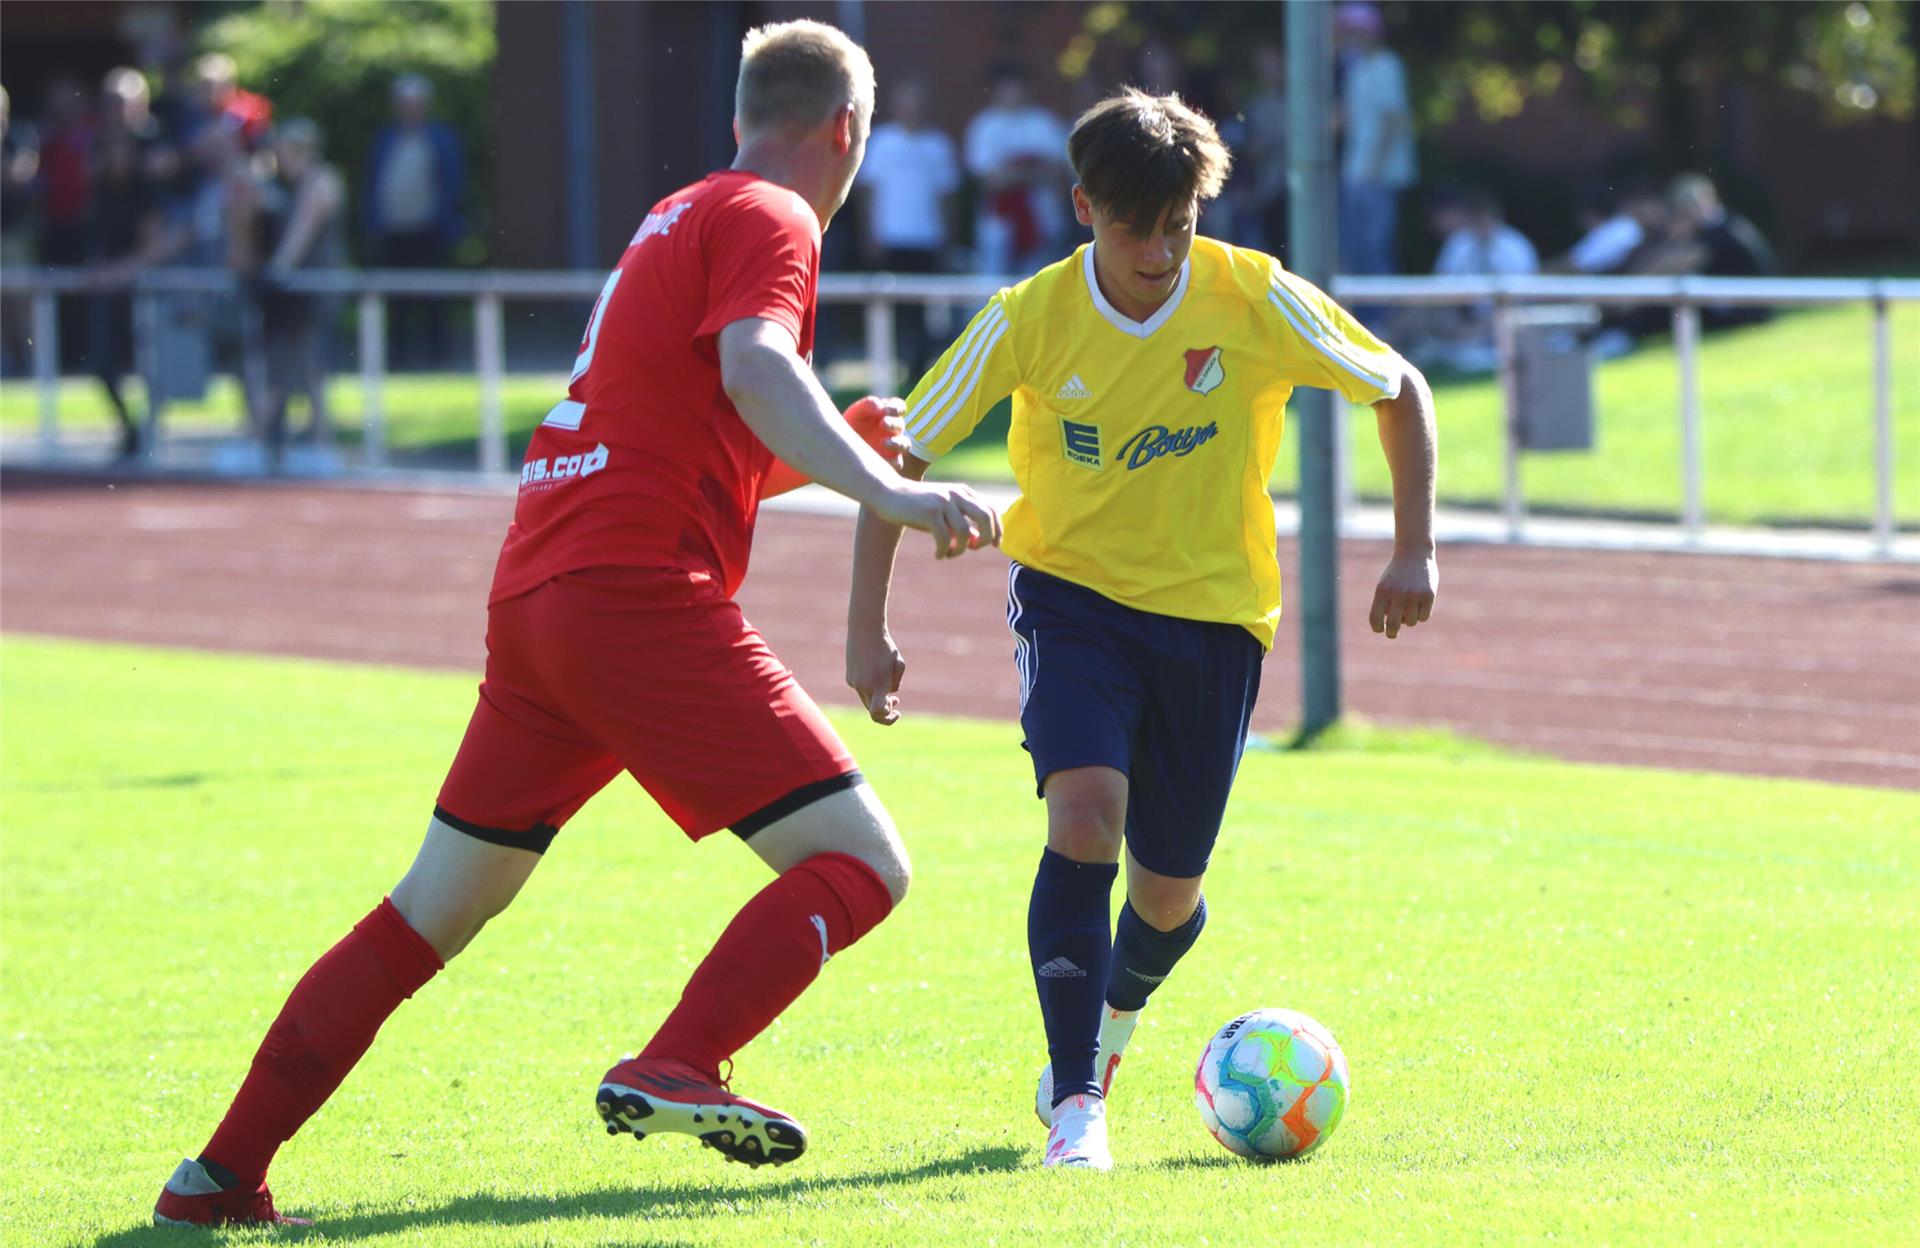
926 432
1359 362
1286 285
968 358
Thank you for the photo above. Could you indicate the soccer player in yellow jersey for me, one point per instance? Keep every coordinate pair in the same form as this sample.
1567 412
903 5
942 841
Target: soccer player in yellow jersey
1149 374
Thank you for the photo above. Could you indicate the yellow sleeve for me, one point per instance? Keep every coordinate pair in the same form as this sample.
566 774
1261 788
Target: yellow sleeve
976 372
1321 344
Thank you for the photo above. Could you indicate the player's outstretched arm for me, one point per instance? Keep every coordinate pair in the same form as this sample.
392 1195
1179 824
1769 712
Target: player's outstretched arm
874 420
875 666
781 400
1407 588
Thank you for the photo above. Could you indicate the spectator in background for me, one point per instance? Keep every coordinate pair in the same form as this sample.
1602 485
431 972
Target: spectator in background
124 234
19 173
910 173
1014 148
1376 162
1635 215
1699 236
223 101
1729 245
1262 156
176 107
294 221
66 195
415 178
1476 242
126 106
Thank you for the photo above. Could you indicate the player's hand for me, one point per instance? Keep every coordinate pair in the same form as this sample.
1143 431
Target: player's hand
874 670
1406 592
881 424
954 514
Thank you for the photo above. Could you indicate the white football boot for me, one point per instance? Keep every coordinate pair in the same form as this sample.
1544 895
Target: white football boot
1079 1136
1116 1028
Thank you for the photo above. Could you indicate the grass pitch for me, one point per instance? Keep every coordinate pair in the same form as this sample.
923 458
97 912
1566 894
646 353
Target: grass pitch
1581 1004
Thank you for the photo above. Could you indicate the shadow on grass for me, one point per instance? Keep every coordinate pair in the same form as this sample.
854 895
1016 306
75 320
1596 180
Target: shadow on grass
1226 1161
720 1198
179 780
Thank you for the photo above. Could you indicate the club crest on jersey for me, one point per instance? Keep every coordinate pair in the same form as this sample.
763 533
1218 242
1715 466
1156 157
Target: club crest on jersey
1080 443
1204 373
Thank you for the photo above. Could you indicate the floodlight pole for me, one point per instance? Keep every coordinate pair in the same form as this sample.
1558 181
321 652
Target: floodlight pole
1311 254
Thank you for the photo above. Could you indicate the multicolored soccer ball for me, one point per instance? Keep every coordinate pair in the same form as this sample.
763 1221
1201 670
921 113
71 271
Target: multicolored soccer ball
1271 1084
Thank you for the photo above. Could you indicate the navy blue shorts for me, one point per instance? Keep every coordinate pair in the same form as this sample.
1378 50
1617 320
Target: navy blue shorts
1164 700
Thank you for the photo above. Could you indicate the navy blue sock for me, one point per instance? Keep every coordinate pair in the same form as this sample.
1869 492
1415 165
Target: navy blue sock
1071 943
1143 955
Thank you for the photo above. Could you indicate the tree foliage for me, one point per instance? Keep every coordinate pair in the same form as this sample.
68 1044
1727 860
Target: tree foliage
335 61
1643 62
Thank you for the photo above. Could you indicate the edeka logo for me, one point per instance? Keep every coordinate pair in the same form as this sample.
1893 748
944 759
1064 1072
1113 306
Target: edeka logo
1081 444
1156 440
561 467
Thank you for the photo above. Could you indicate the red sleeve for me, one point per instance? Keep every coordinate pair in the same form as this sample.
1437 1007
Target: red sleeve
763 253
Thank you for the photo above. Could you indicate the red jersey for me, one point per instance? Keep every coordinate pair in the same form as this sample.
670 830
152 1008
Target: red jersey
646 463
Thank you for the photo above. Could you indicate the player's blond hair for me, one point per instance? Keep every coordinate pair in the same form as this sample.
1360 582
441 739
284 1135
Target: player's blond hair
1137 155
799 74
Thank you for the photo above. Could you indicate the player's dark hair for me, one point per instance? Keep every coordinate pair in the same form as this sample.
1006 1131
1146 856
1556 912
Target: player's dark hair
1137 154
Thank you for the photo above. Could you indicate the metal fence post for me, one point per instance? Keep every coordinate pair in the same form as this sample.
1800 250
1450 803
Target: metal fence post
1507 348
489 353
1882 430
880 358
1686 344
373 372
46 364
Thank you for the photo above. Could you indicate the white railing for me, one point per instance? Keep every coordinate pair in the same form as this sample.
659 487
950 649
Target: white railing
879 293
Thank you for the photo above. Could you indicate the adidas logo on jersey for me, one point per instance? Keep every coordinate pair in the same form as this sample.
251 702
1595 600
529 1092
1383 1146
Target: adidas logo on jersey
1060 968
1074 389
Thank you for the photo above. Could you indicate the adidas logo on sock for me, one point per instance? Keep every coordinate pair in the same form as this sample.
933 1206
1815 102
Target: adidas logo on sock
1074 389
1060 968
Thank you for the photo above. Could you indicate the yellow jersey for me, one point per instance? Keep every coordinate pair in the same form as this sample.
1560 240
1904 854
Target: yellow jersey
1142 448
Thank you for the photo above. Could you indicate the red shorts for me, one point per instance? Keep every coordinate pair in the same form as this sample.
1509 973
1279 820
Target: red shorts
648 671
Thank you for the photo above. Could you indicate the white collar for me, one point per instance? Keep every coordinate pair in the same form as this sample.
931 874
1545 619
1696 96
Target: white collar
1126 324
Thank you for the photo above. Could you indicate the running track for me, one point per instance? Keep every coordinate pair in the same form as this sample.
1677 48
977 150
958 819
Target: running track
1767 666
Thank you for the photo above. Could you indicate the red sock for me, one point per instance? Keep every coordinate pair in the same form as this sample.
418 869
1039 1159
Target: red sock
326 1024
768 955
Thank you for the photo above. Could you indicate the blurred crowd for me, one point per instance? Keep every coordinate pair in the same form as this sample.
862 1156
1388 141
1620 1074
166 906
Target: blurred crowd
1010 164
195 170
182 165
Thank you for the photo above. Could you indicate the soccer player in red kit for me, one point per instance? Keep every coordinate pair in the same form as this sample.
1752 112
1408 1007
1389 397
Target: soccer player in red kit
614 644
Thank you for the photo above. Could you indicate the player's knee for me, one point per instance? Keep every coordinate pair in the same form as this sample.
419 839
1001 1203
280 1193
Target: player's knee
1086 827
1165 904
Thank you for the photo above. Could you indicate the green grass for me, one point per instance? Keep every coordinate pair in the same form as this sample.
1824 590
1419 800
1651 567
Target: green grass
1787 424
431 418
1584 1004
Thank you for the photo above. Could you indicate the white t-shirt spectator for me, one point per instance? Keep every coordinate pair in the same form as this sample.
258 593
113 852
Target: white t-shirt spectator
1375 94
909 173
1503 253
997 137
1606 246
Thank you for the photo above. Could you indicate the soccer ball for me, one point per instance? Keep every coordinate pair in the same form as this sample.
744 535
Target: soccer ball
1271 1084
